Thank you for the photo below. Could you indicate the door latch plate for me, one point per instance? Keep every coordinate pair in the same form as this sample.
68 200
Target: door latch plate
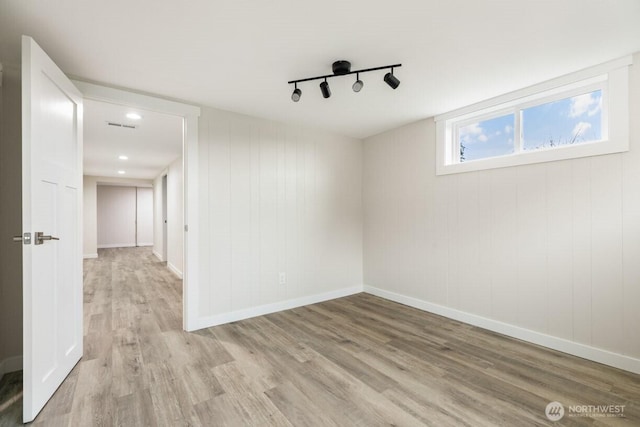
26 238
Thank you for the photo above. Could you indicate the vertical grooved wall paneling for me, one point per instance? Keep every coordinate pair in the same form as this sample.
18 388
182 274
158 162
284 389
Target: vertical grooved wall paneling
548 250
275 199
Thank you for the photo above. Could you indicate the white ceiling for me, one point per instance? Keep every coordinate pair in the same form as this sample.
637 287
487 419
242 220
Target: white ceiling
150 147
239 54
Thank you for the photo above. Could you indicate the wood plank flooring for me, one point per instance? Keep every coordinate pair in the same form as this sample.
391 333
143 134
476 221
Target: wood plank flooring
354 361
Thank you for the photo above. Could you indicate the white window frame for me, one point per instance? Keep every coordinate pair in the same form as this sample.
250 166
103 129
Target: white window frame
612 78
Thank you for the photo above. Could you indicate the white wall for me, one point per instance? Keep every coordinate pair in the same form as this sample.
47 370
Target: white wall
11 223
158 217
175 218
550 250
174 215
275 198
90 217
144 216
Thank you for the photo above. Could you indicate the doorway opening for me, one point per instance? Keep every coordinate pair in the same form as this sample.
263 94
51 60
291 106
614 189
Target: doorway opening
175 202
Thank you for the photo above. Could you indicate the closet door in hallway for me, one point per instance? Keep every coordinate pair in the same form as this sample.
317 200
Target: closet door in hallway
124 216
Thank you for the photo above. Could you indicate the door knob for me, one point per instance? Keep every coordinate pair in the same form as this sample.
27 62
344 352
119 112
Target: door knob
40 238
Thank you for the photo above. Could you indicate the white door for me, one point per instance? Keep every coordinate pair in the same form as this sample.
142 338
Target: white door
51 194
116 216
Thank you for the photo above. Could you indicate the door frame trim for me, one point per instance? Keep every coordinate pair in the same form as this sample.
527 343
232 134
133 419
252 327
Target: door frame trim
190 114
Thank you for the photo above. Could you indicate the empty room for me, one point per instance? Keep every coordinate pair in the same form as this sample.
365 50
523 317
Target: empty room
349 213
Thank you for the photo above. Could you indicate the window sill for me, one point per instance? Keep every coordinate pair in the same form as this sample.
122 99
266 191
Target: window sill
549 155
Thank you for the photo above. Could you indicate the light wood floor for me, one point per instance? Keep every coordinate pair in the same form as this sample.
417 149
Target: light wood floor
355 361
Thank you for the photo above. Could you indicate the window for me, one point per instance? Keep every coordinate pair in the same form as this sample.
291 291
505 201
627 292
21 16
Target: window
567 121
487 138
583 114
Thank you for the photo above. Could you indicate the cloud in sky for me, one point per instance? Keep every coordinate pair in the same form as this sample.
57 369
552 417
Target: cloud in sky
580 129
587 103
472 133
472 129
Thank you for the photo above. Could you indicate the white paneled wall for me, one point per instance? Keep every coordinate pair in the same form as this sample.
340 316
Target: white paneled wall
549 251
275 199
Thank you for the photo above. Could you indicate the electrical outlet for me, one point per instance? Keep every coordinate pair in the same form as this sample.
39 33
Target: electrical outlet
283 278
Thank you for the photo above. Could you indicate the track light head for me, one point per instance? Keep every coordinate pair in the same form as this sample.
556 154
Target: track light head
324 88
297 93
391 80
357 86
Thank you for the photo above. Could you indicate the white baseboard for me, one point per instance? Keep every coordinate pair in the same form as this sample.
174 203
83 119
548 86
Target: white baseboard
174 270
581 350
10 364
117 245
145 244
157 255
220 319
89 256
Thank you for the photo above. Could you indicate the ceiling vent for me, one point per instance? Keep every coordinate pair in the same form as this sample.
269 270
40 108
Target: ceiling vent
121 125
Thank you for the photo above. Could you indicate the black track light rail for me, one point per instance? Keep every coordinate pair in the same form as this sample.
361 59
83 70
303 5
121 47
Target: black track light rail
365 70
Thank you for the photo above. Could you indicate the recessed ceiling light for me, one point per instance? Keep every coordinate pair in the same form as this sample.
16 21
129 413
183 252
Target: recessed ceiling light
123 157
134 116
121 172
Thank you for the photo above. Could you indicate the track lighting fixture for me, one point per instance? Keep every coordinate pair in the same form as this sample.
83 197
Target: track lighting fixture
297 93
342 68
391 80
324 88
357 86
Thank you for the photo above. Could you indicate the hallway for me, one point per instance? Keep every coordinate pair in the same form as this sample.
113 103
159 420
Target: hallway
132 315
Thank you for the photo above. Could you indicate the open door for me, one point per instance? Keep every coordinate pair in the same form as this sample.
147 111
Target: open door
51 221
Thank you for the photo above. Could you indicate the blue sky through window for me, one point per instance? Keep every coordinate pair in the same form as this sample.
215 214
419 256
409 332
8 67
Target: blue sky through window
567 121
488 138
